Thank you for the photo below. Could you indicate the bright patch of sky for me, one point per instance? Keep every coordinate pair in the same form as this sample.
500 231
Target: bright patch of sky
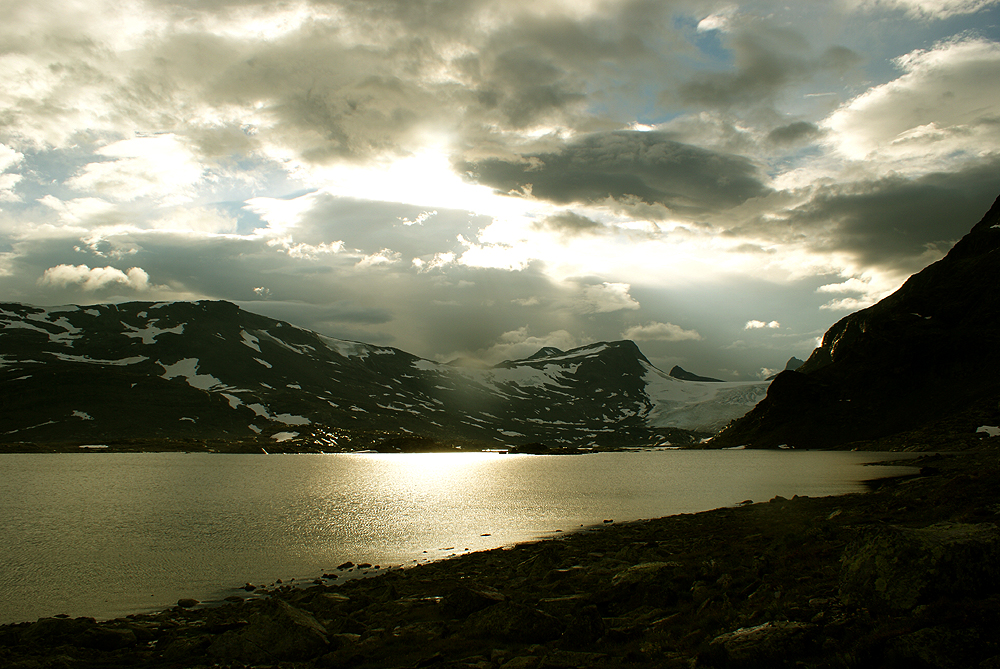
569 172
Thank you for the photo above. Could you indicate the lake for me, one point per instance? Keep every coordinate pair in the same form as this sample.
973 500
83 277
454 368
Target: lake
105 535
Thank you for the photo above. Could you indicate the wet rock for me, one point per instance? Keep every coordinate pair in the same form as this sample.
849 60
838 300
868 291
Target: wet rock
463 601
187 603
277 631
509 621
897 568
771 645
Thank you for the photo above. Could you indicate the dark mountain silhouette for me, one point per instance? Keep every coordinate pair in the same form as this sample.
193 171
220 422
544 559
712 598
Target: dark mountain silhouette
794 363
917 370
679 373
209 370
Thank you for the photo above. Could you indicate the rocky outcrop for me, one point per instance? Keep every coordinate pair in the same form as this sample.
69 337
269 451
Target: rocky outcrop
276 632
680 373
900 567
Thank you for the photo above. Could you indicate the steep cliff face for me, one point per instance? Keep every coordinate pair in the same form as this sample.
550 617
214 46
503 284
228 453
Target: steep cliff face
928 354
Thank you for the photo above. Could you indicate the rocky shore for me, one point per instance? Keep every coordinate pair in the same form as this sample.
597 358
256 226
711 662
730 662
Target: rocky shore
907 575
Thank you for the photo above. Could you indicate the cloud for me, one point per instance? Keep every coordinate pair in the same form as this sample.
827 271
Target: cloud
655 331
625 165
9 158
96 278
520 343
794 133
768 60
160 167
569 223
303 251
759 325
848 304
931 9
895 224
605 298
944 108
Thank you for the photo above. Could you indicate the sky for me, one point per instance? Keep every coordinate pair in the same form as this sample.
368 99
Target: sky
719 182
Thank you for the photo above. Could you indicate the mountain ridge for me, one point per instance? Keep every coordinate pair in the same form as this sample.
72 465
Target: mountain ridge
200 370
916 370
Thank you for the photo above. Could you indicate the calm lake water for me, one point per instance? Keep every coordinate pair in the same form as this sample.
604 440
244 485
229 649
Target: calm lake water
104 535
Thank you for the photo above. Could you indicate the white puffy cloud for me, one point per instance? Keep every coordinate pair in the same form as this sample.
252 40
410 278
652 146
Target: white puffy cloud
520 343
848 304
943 109
94 278
604 298
931 9
656 331
759 325
304 251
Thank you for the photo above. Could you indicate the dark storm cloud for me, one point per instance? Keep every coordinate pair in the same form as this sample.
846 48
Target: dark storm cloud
570 223
645 166
893 222
793 133
768 59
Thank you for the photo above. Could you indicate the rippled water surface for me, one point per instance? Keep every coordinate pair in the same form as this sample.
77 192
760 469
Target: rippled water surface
103 534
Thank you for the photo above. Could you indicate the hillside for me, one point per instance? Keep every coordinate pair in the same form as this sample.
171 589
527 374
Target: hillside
918 370
191 372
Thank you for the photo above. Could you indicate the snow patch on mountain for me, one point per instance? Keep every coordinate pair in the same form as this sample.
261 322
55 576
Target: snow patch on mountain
188 369
149 334
66 357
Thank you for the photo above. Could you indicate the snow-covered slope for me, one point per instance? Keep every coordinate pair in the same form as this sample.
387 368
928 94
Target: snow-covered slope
211 370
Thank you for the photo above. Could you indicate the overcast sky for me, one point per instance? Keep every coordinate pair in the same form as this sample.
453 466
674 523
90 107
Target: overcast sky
718 181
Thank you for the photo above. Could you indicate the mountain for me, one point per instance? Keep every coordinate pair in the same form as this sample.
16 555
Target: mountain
917 370
679 373
794 363
209 370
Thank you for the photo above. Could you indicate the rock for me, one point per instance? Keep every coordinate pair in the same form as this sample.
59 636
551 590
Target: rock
509 621
276 632
108 638
770 645
346 565
938 647
897 568
653 583
57 631
463 601
187 602
585 628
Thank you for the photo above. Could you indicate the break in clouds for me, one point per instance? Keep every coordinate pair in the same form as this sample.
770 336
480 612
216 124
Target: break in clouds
478 179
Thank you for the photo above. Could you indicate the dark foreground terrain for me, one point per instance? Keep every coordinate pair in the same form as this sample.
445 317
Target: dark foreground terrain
907 575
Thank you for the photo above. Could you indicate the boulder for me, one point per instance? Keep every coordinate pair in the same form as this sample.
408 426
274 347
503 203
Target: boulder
276 632
768 646
58 631
509 621
463 601
897 568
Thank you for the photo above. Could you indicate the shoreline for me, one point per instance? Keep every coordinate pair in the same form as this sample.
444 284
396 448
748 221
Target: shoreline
771 583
